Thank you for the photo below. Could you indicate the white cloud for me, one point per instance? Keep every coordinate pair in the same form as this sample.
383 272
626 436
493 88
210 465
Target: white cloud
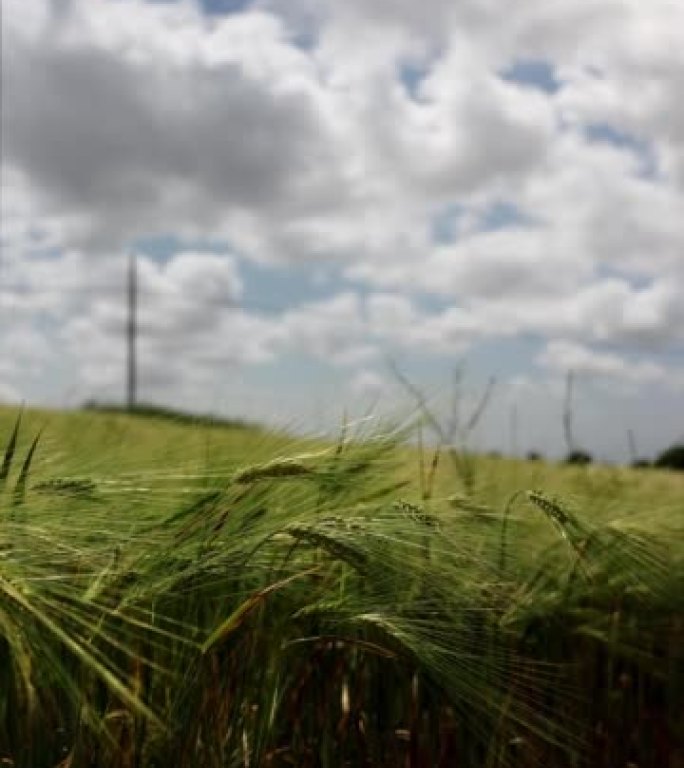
562 356
69 312
394 319
130 119
331 330
368 384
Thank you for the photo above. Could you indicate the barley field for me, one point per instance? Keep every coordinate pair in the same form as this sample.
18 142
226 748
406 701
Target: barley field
195 595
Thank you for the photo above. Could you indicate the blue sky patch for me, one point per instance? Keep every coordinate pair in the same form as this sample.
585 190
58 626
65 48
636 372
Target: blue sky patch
502 215
273 289
604 132
533 73
269 288
213 7
221 7
445 224
163 247
412 74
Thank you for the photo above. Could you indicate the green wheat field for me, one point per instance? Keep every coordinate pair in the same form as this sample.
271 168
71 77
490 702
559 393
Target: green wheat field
195 595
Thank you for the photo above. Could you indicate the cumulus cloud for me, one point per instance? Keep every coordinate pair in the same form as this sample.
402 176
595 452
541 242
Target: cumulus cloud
562 356
130 118
369 385
395 319
70 312
331 330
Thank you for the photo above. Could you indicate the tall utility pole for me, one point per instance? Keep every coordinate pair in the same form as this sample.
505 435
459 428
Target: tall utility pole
568 413
131 334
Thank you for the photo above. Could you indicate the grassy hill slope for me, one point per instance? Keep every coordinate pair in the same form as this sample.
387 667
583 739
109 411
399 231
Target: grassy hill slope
188 595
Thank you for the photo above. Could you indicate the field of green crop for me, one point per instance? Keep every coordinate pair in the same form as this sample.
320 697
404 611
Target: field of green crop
204 596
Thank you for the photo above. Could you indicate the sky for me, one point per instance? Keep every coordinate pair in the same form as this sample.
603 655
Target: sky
316 190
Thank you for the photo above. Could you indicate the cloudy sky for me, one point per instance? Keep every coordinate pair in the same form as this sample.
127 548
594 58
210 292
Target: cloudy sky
313 187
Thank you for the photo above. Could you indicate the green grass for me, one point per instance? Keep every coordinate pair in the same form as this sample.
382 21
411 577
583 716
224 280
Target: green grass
200 595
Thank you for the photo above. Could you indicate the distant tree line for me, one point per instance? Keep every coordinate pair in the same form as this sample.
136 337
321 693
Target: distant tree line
670 458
